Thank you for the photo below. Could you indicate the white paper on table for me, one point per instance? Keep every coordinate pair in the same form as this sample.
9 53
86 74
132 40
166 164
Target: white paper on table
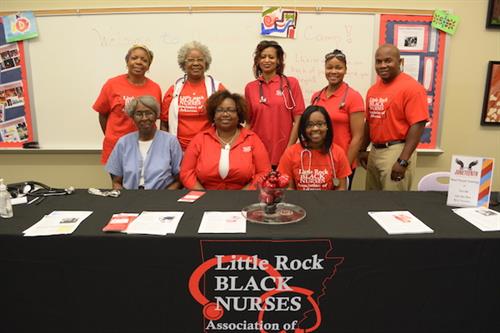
482 218
222 222
57 223
155 223
19 200
400 222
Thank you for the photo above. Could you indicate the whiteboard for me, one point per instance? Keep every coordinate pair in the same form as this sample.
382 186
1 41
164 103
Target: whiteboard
74 56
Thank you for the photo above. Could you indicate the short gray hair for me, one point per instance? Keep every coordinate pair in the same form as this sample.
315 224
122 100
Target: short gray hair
194 45
148 101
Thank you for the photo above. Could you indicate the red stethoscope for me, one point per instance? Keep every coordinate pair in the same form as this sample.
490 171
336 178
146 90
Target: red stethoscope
212 311
263 99
335 180
342 102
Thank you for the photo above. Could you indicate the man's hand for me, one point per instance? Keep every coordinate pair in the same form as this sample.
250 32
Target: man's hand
398 172
363 158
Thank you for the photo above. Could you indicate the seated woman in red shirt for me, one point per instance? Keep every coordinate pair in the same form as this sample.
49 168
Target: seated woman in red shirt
316 163
227 155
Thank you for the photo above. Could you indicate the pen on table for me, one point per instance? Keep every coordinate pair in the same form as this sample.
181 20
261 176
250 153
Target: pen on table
40 201
34 200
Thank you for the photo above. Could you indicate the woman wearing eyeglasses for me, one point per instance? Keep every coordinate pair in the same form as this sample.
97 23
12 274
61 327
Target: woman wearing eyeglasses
148 158
345 107
118 91
275 101
316 163
183 109
226 156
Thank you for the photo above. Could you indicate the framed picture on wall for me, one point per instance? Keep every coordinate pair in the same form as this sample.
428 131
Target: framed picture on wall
491 103
493 16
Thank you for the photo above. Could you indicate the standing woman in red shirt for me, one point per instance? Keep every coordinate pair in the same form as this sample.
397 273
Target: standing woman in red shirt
275 101
227 156
345 107
183 109
118 91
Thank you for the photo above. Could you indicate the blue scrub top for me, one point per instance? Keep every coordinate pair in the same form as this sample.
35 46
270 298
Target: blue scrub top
161 166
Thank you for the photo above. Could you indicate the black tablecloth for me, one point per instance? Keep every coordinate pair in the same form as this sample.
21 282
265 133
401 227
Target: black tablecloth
92 281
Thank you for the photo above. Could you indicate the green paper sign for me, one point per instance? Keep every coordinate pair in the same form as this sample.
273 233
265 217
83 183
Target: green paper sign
445 21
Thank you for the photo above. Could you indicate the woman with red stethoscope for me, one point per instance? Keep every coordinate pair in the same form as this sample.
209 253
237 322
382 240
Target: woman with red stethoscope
275 101
345 107
316 163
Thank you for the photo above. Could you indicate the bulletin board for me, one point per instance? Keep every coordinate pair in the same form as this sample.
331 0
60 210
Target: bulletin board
15 115
422 49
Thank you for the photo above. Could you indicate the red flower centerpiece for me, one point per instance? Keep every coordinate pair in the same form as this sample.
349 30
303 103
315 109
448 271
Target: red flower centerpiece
271 190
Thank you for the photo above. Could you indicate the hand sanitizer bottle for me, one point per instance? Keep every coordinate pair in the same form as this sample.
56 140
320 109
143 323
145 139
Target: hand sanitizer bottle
5 203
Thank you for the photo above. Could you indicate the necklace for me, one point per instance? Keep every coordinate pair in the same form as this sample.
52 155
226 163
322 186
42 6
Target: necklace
227 144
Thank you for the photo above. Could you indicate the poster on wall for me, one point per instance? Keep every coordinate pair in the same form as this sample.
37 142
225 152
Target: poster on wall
422 50
278 22
19 26
15 115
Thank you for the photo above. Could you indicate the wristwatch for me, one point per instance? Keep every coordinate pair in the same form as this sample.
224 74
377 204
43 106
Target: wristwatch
403 163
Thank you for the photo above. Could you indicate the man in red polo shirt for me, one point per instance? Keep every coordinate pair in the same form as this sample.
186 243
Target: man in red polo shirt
396 113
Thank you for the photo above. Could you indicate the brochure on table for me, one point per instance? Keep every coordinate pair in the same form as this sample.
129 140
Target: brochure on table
58 222
400 222
470 181
222 222
484 219
155 223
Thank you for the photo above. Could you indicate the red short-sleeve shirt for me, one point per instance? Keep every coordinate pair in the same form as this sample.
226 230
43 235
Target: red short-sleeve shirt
114 95
340 114
312 169
272 119
392 108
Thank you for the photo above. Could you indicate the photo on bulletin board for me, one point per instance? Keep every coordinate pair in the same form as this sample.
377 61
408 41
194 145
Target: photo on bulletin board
422 50
15 115
493 16
491 103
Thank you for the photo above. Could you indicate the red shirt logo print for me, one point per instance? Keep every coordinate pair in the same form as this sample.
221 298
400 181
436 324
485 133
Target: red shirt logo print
377 107
191 104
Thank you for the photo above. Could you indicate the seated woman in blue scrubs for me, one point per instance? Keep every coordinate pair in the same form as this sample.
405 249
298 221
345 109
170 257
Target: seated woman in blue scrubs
148 158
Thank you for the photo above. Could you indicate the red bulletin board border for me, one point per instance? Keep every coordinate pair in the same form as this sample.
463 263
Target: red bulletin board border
27 108
435 93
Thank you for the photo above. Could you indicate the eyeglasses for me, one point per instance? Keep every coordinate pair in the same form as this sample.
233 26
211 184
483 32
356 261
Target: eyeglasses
225 111
319 124
334 54
140 114
193 60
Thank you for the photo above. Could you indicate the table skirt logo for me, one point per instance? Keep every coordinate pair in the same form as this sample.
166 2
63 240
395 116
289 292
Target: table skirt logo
262 292
466 168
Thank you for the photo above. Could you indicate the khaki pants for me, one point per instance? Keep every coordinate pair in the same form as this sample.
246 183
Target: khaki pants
378 170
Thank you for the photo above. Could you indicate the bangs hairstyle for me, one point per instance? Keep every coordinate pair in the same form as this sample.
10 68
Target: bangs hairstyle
218 97
304 119
148 101
188 47
140 46
280 55
338 54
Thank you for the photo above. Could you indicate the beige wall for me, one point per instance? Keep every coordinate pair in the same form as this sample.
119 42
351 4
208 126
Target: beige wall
467 56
